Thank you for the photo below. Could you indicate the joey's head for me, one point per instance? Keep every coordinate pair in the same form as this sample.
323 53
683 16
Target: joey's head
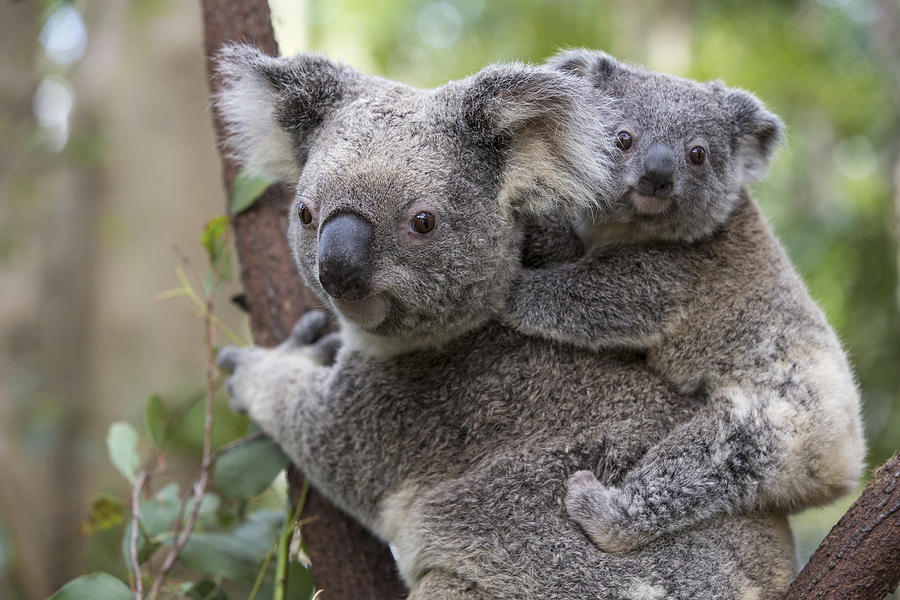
408 201
686 149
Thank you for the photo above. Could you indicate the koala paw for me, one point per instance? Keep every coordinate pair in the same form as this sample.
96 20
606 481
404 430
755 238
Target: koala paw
602 512
310 333
264 378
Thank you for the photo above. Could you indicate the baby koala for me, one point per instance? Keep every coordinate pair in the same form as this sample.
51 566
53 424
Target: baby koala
681 265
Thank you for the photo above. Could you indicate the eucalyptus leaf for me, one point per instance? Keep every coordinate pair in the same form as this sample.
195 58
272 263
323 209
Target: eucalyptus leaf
237 554
96 586
215 241
122 441
249 468
105 512
155 420
246 190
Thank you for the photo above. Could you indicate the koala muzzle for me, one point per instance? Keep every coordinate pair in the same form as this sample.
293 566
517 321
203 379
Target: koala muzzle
658 178
346 257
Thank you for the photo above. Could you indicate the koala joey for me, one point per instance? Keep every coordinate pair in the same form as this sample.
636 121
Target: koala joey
441 429
682 266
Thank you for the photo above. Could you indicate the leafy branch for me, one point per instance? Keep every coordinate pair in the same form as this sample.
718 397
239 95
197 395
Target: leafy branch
231 545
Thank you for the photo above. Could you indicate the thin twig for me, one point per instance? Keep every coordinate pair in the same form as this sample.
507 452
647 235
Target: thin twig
262 571
284 544
135 527
203 478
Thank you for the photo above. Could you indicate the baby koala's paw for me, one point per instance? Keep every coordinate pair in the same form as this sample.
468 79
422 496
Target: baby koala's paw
602 512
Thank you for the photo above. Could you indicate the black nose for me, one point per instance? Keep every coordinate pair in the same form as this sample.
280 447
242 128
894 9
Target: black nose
345 257
659 171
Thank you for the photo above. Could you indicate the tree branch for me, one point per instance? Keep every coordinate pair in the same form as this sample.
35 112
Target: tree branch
860 558
347 562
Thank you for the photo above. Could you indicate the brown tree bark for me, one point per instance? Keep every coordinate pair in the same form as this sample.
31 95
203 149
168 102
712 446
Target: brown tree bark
860 558
347 562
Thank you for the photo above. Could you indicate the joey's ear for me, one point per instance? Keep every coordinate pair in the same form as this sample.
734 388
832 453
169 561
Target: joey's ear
270 105
595 65
757 132
553 129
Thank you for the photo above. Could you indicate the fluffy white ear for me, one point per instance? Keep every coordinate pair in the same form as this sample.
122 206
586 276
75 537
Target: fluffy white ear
757 132
554 129
271 105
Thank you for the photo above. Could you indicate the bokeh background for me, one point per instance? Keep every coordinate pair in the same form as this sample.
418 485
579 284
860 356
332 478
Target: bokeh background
108 172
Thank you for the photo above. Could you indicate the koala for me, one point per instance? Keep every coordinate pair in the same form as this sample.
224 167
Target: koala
682 267
443 430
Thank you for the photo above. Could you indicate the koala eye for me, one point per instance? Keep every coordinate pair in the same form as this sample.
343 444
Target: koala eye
698 155
423 222
623 140
304 213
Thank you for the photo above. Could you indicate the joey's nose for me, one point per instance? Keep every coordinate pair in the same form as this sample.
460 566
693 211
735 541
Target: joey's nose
346 257
658 178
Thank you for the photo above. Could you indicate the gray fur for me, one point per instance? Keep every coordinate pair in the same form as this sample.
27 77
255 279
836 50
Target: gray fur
709 295
442 430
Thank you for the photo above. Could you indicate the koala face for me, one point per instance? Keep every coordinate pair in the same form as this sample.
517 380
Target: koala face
408 201
685 148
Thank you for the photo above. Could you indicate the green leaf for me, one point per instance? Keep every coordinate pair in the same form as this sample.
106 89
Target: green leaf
157 516
155 421
246 190
122 441
206 590
249 468
237 554
106 512
96 586
300 582
215 241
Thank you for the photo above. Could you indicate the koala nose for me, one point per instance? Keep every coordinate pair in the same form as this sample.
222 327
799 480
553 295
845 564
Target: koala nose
659 171
345 257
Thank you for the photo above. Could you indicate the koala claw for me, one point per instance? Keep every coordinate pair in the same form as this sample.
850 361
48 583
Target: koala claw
235 402
326 347
601 511
309 328
231 357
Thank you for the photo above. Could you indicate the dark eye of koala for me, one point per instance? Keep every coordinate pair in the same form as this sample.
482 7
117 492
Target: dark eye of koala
623 140
698 155
304 213
423 222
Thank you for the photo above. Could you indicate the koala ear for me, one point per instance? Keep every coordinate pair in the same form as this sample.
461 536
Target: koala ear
553 129
595 65
758 132
270 105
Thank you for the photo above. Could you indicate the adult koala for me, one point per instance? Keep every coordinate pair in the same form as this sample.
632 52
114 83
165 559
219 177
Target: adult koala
443 431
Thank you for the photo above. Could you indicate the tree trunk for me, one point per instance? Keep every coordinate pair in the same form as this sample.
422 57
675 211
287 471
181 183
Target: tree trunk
347 562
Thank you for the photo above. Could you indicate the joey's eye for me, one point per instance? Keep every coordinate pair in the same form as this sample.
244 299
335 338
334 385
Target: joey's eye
304 213
623 140
423 222
698 155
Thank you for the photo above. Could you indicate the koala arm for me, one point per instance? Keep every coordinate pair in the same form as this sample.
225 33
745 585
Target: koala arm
623 299
549 240
282 388
784 443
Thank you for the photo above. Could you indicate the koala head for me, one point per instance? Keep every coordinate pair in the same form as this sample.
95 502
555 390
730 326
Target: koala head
686 149
408 201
